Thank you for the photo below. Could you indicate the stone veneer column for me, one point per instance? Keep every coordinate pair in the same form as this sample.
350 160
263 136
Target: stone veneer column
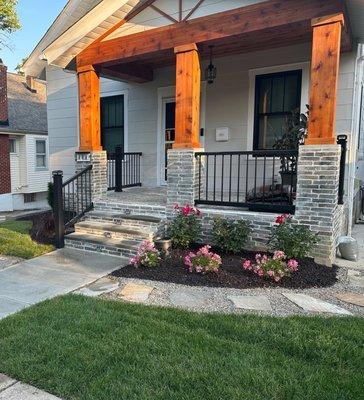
182 179
98 160
317 196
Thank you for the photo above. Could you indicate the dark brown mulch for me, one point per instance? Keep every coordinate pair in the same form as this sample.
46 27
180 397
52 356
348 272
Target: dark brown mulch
43 227
231 274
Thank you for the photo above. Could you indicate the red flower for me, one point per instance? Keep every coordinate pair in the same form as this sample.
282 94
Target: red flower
281 219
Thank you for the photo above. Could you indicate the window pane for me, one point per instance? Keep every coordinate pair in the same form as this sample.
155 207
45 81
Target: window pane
270 129
12 146
291 95
40 147
265 93
277 94
41 161
119 110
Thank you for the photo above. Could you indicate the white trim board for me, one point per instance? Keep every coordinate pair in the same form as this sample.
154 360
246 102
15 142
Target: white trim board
304 66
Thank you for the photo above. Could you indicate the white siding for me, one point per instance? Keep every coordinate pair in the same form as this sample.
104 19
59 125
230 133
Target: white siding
37 178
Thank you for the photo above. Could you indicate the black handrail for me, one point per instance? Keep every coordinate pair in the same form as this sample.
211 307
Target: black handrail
262 180
123 170
72 200
342 140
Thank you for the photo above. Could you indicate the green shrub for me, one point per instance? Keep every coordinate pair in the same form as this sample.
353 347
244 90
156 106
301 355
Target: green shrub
50 194
294 240
230 235
185 227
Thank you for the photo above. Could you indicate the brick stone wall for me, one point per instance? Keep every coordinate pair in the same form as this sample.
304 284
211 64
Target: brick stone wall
317 197
3 95
5 178
98 159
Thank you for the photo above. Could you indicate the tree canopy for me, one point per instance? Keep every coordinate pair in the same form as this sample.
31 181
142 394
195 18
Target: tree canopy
9 20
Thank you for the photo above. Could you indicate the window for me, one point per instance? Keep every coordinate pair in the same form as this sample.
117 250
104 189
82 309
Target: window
29 197
112 122
12 146
41 154
276 95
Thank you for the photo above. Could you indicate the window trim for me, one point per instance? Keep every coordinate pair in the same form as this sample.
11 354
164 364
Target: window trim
257 114
16 152
304 66
45 167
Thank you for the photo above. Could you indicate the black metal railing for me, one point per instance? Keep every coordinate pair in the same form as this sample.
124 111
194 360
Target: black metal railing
257 180
71 200
123 170
342 140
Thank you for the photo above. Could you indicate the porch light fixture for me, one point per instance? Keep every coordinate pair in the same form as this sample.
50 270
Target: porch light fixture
211 70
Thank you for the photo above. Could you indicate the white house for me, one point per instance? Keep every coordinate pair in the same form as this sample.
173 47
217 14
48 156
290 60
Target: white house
24 165
127 57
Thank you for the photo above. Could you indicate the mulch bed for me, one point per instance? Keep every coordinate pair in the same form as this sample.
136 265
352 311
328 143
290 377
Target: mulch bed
231 274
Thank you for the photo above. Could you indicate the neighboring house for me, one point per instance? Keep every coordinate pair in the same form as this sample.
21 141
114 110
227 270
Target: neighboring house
136 74
24 153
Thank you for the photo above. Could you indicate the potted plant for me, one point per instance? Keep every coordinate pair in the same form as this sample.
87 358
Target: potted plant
294 133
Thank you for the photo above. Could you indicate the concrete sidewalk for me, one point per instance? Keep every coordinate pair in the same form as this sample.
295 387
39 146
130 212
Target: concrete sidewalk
51 275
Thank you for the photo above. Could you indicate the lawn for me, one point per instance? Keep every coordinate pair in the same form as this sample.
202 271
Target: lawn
90 349
15 240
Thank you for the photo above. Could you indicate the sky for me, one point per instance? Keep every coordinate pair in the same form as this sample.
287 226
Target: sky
35 16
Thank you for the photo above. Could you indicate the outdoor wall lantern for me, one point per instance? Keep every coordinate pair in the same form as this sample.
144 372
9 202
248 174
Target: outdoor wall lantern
211 70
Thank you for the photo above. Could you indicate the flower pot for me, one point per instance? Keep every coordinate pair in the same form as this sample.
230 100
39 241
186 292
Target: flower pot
289 178
164 246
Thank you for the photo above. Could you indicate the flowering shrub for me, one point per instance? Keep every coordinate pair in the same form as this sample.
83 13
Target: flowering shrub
185 227
204 261
147 256
295 240
276 267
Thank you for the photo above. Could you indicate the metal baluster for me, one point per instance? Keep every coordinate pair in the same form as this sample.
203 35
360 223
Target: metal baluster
238 188
264 168
207 177
214 177
247 177
230 173
199 176
255 177
222 177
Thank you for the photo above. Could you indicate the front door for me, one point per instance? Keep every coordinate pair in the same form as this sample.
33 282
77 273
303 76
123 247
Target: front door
112 123
168 132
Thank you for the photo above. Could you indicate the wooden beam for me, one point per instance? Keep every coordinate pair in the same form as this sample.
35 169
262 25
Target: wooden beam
89 109
324 79
132 72
188 93
272 14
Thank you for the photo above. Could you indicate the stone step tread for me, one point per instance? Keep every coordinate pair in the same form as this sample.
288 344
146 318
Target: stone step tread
112 227
99 240
113 215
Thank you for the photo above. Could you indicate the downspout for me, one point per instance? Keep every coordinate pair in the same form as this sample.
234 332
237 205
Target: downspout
358 78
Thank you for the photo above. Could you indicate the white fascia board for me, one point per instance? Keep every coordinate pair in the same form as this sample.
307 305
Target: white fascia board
81 28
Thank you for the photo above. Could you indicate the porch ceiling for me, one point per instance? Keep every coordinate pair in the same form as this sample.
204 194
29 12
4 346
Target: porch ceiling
259 26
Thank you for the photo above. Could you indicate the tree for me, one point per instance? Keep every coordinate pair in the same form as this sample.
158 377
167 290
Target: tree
19 67
9 21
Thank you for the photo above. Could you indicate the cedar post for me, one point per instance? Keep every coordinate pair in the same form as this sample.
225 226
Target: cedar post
324 78
89 108
188 84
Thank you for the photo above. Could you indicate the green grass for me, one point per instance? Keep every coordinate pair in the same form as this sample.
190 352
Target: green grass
90 349
16 241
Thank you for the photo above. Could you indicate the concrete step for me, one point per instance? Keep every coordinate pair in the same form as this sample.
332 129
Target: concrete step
114 231
99 244
130 208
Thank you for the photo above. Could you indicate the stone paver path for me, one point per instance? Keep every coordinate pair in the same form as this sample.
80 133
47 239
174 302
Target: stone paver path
10 389
356 277
352 298
188 298
309 303
51 275
99 287
135 293
257 303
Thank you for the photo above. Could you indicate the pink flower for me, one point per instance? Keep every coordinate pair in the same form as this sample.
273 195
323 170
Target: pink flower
247 264
293 265
279 255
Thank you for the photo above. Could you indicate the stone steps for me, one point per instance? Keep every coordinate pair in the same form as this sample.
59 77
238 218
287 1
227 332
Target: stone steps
127 208
100 244
114 231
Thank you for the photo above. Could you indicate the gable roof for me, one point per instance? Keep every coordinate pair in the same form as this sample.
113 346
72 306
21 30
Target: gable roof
27 110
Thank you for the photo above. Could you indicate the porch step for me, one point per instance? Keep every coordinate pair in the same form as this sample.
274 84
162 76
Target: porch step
114 231
99 244
127 208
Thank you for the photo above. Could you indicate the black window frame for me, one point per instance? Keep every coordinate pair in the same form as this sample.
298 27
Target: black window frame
257 114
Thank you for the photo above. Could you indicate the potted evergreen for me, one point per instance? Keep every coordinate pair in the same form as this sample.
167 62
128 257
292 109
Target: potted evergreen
294 133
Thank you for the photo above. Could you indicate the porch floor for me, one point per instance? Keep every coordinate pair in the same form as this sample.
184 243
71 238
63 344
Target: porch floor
156 196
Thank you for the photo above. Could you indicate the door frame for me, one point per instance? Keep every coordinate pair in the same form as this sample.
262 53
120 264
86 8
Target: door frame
165 95
124 93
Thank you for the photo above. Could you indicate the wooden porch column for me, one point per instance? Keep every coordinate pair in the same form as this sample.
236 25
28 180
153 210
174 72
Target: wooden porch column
324 78
188 84
89 109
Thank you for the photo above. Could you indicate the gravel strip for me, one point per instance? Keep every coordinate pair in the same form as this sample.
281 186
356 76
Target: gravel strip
218 301
8 261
